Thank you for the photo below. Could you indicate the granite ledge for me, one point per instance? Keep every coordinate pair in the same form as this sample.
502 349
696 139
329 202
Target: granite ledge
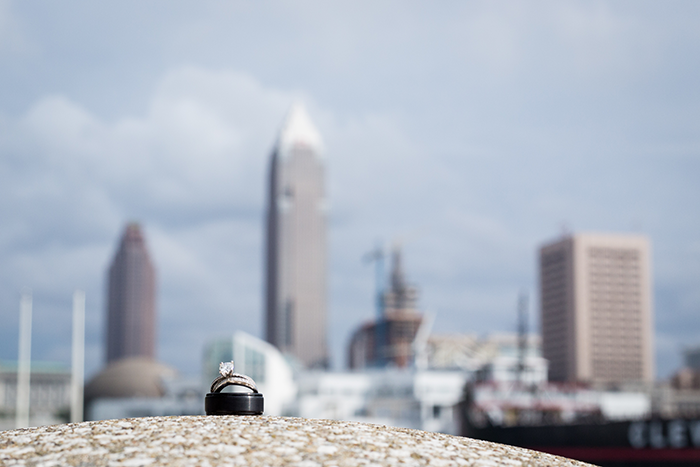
252 441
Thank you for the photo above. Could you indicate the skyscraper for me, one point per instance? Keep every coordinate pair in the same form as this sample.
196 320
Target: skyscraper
296 243
595 293
131 303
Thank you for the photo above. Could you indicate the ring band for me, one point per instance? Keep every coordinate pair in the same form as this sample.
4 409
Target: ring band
236 379
233 403
226 403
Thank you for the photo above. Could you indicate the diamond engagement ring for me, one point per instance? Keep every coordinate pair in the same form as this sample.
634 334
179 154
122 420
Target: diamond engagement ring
228 378
233 403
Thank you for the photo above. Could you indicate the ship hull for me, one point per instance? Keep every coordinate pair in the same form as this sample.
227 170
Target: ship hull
647 443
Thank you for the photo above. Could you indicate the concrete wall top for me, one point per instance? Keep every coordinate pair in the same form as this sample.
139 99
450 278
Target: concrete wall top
252 441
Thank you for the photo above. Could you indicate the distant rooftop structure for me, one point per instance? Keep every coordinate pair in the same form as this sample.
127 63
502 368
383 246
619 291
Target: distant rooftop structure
388 340
401 297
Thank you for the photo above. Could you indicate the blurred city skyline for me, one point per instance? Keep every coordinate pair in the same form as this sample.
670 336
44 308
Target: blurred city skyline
473 133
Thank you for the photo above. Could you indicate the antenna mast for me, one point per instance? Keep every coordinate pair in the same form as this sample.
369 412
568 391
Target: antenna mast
78 357
24 360
522 336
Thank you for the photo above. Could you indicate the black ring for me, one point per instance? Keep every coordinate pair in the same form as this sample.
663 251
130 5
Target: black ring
233 403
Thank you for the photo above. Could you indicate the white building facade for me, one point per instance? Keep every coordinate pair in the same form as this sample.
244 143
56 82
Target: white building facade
396 397
261 361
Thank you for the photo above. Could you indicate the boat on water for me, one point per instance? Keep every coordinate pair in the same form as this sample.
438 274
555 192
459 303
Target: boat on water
606 428
647 443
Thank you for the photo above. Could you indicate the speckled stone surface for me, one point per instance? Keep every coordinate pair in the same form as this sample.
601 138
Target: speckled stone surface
254 441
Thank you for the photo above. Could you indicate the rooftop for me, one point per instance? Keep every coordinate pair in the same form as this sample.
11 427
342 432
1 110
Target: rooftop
299 130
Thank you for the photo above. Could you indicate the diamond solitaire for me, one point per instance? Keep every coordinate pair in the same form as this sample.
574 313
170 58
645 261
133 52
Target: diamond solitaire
233 403
226 368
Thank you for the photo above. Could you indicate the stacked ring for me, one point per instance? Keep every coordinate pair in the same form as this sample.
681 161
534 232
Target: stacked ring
237 403
234 379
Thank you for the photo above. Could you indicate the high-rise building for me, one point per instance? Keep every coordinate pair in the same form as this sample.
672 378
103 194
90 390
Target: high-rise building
388 341
131 303
296 243
596 310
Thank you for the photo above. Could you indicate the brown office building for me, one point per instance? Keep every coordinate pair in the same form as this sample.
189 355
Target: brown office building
131 303
296 243
596 310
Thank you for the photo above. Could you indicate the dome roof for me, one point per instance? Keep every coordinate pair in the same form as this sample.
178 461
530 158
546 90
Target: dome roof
129 377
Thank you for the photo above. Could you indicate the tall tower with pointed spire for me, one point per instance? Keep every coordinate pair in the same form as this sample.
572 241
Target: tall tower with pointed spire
296 243
131 301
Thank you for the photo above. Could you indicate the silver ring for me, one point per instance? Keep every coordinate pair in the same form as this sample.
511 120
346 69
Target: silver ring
228 378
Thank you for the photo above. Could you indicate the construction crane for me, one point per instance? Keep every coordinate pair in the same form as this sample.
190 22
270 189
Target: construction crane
377 256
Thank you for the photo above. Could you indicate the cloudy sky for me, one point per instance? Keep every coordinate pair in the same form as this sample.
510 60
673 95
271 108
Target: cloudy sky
472 132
